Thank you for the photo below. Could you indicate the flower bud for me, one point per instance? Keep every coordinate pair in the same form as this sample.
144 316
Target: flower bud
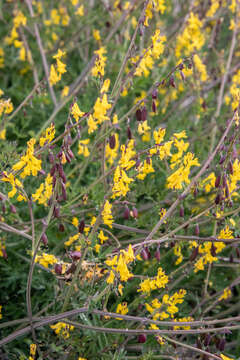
144 254
56 212
154 94
53 169
154 107
230 167
64 193
172 81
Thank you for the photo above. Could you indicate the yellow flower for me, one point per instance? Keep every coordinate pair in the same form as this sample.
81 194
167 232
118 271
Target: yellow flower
224 357
54 77
65 91
100 109
76 112
80 11
82 147
122 309
107 214
62 329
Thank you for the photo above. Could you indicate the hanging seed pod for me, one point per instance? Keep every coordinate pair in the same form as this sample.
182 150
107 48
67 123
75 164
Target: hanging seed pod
56 212
148 252
142 338
154 107
126 213
3 208
144 254
194 254
13 209
218 198
213 250
231 260
44 239
181 211
181 66
154 94
230 167
51 158
172 81
224 180
227 193
222 159
129 133
81 227
53 169
144 113
207 340
196 230
157 254
54 181
62 173
134 213
70 153
237 252
64 193
67 157
61 228
182 75
189 66
221 345
139 115
217 181
112 141
58 269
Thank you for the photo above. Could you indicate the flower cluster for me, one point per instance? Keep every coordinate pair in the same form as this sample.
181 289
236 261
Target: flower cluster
118 265
57 70
158 282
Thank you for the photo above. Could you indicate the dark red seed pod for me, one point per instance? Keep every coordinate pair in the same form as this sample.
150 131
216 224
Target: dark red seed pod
224 180
222 159
76 255
230 167
217 181
81 226
227 193
154 107
157 254
181 211
59 155
237 252
53 169
148 252
129 133
142 338
144 254
172 244
221 345
207 340
51 158
69 140
144 113
61 228
231 258
126 213
68 158
172 81
196 230
189 65
112 141
218 198
13 209
58 269
70 153
3 208
64 193
138 162
154 94
213 250
194 254
182 75
139 115
44 239
148 160
54 181
134 213
56 212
